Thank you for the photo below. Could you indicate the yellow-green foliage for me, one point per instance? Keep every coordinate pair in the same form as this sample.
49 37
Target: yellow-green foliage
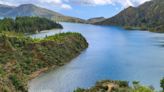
143 89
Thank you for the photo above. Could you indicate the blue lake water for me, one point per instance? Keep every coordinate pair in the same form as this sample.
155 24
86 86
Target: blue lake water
113 53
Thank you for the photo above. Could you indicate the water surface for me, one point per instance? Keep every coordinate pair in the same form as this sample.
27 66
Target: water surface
113 53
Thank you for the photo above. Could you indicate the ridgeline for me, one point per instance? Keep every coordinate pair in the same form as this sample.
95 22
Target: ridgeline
148 16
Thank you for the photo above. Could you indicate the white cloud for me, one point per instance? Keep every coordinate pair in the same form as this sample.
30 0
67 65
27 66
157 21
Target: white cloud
66 4
52 1
124 3
58 3
6 2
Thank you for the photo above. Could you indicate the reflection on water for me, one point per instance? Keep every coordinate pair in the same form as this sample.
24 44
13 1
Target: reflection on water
113 53
45 33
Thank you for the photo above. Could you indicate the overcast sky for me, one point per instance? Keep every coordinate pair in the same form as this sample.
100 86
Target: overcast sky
81 8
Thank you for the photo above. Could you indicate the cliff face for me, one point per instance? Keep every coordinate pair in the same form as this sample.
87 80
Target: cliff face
146 16
24 58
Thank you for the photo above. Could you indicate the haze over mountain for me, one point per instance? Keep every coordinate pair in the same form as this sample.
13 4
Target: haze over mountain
149 15
4 9
32 10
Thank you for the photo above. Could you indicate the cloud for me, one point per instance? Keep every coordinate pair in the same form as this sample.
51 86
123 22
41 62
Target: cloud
66 4
60 4
57 3
124 3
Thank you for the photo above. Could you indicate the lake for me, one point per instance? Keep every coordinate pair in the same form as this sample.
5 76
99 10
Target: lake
113 53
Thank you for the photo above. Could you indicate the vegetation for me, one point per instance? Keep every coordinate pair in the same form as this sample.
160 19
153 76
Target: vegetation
27 24
116 86
94 20
162 84
23 58
148 16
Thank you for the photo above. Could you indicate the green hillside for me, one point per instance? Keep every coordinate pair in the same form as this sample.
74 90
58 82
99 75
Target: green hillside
28 24
149 16
23 58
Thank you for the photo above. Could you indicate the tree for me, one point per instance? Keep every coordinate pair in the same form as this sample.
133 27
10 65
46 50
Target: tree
27 24
162 83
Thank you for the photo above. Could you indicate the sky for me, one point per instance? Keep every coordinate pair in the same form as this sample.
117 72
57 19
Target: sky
81 8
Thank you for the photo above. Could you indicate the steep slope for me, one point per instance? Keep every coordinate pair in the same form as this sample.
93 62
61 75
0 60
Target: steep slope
32 10
146 16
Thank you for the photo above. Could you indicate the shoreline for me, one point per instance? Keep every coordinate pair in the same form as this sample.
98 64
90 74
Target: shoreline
46 70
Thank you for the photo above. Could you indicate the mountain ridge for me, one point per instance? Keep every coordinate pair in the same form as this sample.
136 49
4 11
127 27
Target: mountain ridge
147 16
33 10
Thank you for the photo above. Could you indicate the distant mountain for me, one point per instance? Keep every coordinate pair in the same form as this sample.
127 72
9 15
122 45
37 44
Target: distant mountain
149 16
94 20
4 9
32 10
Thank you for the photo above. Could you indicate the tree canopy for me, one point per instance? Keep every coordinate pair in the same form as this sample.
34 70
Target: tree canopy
27 24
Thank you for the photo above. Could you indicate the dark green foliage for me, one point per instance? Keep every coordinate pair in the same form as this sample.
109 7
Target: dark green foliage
79 90
33 56
17 83
162 83
27 24
148 16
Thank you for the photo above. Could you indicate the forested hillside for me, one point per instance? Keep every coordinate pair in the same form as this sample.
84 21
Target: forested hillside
148 16
27 24
23 58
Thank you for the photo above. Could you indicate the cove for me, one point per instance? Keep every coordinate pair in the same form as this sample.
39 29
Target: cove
113 53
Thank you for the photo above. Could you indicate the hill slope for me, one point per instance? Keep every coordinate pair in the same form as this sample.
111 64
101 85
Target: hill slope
146 16
32 10
23 58
94 20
